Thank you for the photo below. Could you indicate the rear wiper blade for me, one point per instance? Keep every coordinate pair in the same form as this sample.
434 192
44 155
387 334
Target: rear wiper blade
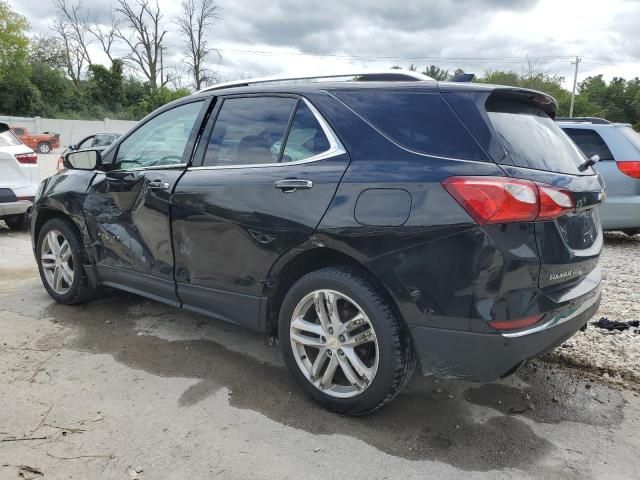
589 163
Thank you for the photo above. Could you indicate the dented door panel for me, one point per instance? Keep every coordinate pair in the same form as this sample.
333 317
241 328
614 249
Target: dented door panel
128 221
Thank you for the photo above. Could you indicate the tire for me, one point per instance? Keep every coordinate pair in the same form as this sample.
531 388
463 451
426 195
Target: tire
17 222
79 289
44 147
390 367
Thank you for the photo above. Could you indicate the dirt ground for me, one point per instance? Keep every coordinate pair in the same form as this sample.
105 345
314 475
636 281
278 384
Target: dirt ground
123 388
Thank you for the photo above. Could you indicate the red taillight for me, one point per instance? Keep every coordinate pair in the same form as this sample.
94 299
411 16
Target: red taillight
25 158
629 168
515 324
507 200
553 202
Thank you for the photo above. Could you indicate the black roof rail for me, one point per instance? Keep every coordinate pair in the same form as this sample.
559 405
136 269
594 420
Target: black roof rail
595 120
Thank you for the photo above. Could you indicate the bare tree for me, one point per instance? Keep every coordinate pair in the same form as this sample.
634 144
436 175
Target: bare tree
107 36
145 39
69 28
196 17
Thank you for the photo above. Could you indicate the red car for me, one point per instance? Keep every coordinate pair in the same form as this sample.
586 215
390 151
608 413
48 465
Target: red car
42 142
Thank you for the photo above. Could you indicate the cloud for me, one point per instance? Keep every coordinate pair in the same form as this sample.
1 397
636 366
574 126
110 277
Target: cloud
476 35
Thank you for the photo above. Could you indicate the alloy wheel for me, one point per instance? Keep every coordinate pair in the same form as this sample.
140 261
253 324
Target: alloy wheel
334 343
57 262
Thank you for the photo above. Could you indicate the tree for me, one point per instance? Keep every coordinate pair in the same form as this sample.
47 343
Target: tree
106 36
70 29
196 17
14 44
436 73
17 93
145 43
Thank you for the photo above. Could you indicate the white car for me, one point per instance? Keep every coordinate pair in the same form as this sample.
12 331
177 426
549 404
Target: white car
19 179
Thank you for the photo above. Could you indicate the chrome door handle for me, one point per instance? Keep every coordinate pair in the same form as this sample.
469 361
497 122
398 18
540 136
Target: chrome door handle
289 185
159 185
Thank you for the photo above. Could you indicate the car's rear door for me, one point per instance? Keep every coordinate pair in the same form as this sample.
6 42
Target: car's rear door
127 206
268 169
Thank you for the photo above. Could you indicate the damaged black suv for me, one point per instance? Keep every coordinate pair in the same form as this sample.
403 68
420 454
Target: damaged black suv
372 225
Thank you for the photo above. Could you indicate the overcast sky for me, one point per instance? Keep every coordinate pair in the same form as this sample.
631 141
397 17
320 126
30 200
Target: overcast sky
272 37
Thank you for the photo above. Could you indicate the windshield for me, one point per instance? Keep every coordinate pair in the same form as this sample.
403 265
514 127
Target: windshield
533 139
631 135
8 139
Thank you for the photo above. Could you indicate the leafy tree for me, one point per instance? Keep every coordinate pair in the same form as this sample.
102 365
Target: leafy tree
436 72
14 44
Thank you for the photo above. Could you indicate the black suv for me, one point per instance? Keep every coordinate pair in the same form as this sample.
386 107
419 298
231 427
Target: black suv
370 224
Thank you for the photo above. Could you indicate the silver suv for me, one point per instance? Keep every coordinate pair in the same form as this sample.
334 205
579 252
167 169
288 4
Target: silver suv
618 147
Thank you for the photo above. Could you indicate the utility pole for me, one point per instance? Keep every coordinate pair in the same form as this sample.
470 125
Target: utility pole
575 82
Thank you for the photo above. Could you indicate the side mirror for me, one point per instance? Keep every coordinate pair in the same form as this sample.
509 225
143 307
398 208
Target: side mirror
83 160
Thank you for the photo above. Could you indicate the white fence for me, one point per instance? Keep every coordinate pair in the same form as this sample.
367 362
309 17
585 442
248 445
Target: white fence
71 131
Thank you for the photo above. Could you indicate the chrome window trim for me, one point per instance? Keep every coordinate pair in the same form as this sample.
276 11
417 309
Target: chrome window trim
335 148
151 167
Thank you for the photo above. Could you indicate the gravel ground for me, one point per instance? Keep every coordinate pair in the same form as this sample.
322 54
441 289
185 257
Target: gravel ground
613 355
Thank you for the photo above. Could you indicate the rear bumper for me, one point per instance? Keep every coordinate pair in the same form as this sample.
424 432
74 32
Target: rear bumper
484 357
620 212
15 208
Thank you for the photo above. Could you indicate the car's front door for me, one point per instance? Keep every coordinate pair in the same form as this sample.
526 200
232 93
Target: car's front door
269 167
127 206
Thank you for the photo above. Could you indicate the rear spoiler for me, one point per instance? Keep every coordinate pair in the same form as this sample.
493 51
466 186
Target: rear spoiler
541 100
4 127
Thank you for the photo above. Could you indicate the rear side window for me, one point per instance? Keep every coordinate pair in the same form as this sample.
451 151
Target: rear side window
249 131
8 139
590 142
306 137
422 122
532 138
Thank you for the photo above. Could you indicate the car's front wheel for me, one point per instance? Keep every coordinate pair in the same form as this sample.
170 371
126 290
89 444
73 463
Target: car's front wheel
343 341
60 258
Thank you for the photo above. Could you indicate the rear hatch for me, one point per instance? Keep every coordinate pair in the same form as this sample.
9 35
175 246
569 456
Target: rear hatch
538 150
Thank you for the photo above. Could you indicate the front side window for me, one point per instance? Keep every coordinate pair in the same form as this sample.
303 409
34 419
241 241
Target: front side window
19 131
160 141
590 142
86 143
103 140
249 131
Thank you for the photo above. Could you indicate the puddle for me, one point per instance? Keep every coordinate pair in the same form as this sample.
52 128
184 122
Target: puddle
421 423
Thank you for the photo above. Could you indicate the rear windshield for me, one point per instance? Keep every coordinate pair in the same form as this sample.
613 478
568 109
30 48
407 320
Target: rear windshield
533 139
631 135
422 122
8 139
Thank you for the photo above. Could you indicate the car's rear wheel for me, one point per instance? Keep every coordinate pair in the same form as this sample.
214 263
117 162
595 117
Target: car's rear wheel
60 258
17 222
343 341
44 147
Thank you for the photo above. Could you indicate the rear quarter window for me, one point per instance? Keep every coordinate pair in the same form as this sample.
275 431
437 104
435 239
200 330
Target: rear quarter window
421 122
